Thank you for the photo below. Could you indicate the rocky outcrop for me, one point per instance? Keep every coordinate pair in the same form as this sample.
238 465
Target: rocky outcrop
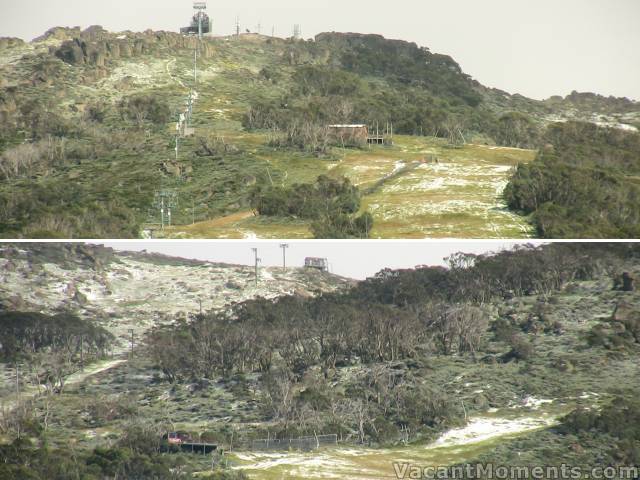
626 317
59 33
46 71
78 51
94 32
70 52
10 42
96 47
95 74
176 169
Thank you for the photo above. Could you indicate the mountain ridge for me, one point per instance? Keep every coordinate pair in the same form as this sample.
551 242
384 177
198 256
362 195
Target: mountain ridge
96 33
87 134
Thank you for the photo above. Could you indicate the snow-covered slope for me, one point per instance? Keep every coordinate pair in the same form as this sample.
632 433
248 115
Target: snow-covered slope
126 291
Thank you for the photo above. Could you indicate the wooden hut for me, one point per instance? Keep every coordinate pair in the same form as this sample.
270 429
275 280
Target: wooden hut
349 135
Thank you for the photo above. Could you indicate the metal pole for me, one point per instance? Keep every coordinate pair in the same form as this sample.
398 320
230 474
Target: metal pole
284 247
162 213
255 253
131 330
17 385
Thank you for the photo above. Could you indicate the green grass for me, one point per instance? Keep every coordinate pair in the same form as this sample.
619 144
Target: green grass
130 171
458 197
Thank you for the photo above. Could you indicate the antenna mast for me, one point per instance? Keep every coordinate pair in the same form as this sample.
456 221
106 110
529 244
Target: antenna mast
200 7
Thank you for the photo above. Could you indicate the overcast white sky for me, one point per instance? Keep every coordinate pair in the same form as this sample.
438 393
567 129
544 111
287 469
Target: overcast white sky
536 48
351 259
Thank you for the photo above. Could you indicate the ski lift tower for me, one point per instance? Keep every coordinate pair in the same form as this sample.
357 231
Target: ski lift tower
165 201
199 8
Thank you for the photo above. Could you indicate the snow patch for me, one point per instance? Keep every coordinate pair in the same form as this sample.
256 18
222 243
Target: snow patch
535 403
482 429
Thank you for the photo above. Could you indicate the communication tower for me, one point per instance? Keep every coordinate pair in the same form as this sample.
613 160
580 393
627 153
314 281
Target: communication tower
199 8
200 22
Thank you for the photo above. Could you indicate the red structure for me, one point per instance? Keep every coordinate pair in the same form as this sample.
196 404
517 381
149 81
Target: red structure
176 439
185 443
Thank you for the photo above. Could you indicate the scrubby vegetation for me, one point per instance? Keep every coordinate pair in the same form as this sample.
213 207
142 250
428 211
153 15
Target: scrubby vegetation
137 455
394 360
583 183
619 420
592 102
53 347
58 143
308 201
87 134
27 334
368 79
391 324
43 204
331 204
25 461
141 109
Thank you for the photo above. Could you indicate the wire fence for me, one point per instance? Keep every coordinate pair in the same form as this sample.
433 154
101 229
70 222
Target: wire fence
300 443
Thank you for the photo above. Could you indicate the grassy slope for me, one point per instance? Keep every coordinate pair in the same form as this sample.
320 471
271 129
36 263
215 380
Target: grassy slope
128 173
478 205
460 197
131 172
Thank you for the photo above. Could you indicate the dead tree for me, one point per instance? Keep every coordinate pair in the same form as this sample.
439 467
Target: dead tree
453 126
